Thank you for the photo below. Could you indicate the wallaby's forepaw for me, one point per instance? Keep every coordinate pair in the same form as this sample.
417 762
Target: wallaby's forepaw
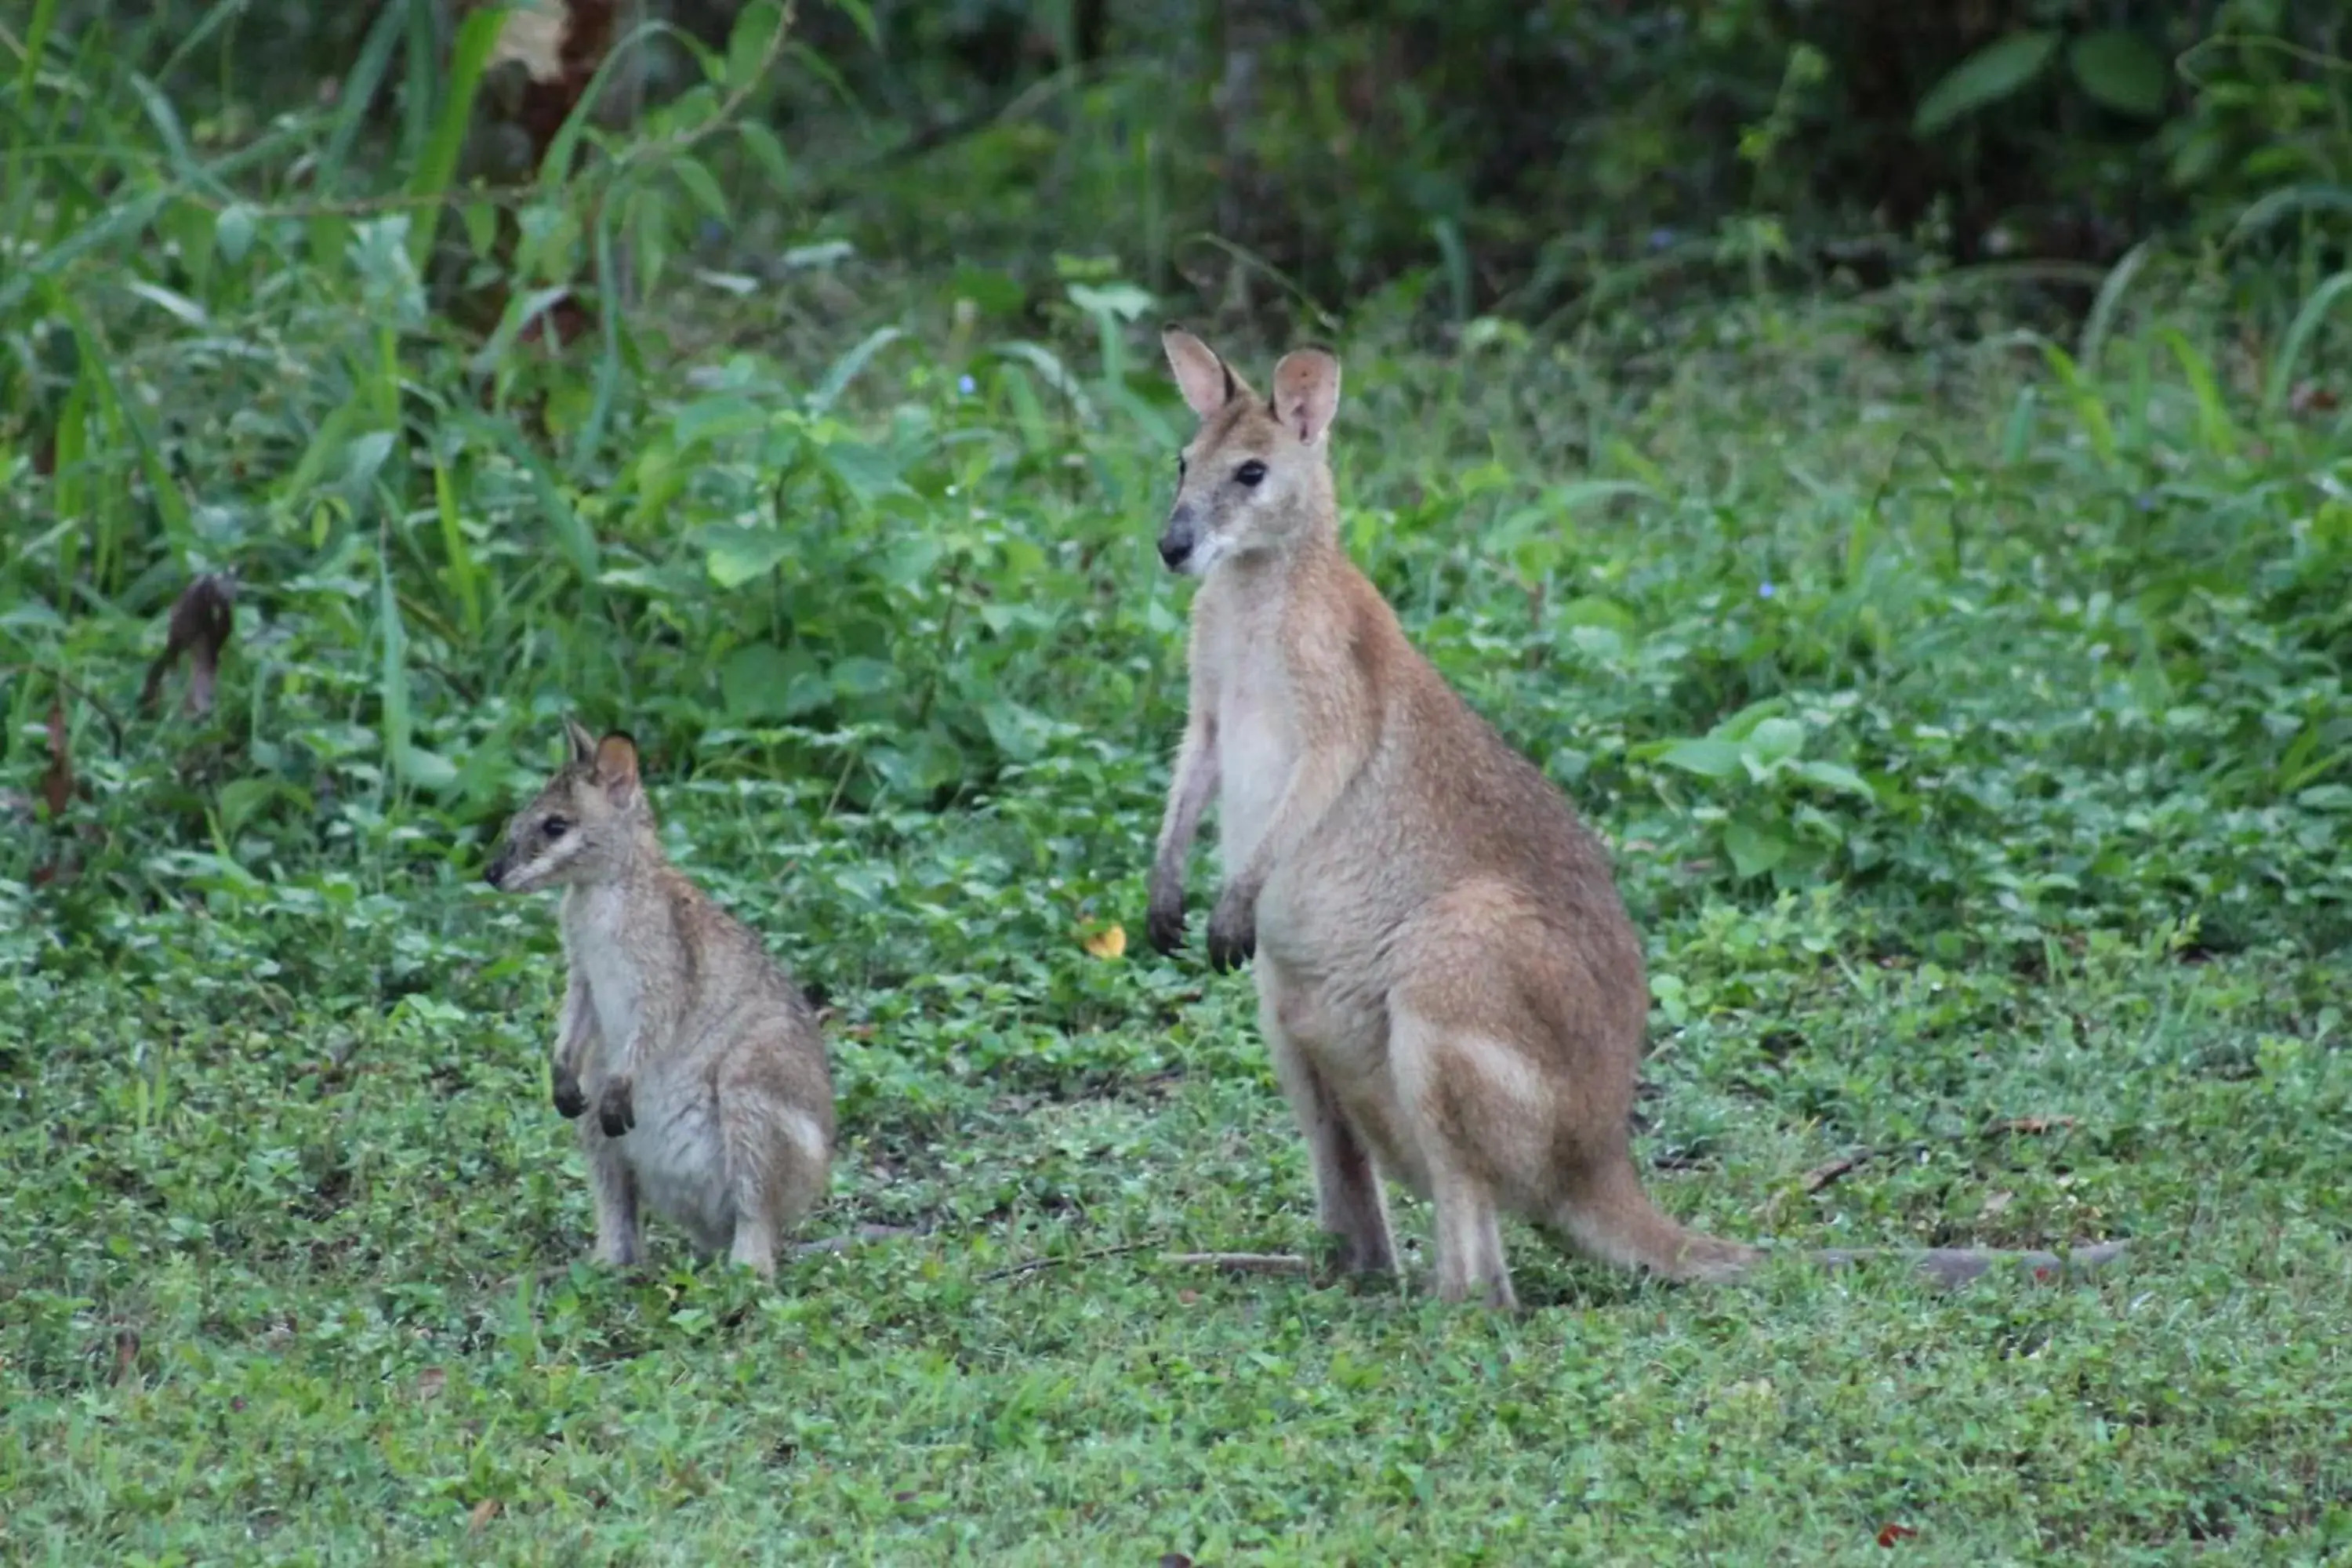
1163 926
616 1111
1233 934
570 1099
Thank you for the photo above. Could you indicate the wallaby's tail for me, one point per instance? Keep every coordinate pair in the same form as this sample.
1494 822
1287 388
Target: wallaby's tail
1614 1220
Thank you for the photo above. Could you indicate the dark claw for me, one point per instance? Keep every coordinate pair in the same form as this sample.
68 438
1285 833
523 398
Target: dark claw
1230 950
570 1100
617 1112
1164 929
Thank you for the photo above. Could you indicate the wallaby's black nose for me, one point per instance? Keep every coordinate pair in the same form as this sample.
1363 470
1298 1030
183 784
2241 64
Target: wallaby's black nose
492 872
1176 541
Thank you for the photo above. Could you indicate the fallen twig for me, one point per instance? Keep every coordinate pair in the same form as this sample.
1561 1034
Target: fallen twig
1821 1177
1060 1259
1954 1266
1242 1262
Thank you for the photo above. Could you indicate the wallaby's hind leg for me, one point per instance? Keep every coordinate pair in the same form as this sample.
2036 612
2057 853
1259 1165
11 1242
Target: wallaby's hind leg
1470 1264
1349 1203
614 1188
757 1236
776 1165
1448 1094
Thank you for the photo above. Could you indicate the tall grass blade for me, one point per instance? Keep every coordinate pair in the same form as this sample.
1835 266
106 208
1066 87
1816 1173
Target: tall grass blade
391 674
436 165
424 71
358 91
2214 431
2102 319
2084 397
211 22
20 138
2299 333
555 166
2291 202
128 417
465 576
608 360
845 370
2017 430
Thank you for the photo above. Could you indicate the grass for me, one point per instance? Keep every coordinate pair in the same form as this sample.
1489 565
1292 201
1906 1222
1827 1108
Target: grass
2048 943
1969 724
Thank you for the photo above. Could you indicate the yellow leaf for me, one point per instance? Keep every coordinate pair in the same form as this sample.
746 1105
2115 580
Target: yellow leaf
1107 942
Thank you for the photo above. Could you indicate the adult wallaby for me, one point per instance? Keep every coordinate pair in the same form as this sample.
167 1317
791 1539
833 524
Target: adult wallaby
714 1102
1446 977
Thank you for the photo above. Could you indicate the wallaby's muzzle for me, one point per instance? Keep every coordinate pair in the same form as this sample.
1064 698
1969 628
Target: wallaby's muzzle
1177 541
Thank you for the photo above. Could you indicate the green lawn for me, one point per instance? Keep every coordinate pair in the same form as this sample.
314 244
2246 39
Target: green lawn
1973 739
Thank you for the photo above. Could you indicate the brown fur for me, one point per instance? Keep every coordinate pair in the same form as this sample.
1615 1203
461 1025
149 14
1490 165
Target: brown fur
673 1012
1447 979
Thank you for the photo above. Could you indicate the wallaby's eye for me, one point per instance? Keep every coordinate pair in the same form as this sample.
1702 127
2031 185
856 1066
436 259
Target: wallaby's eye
556 826
1250 473
1180 467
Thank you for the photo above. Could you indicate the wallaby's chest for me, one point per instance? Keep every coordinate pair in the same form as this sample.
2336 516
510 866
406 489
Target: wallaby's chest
677 1151
1257 729
606 950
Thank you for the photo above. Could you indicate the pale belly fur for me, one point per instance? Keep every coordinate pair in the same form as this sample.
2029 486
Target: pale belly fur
676 1150
678 1156
1253 763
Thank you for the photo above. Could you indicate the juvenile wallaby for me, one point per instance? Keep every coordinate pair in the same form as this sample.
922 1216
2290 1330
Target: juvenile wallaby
714 1102
1446 977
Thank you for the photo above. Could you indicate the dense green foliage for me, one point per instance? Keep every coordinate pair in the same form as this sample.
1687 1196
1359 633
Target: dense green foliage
1548 157
1968 721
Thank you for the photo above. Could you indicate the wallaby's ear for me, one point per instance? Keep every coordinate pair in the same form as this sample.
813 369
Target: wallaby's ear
1207 381
578 737
616 767
1307 392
